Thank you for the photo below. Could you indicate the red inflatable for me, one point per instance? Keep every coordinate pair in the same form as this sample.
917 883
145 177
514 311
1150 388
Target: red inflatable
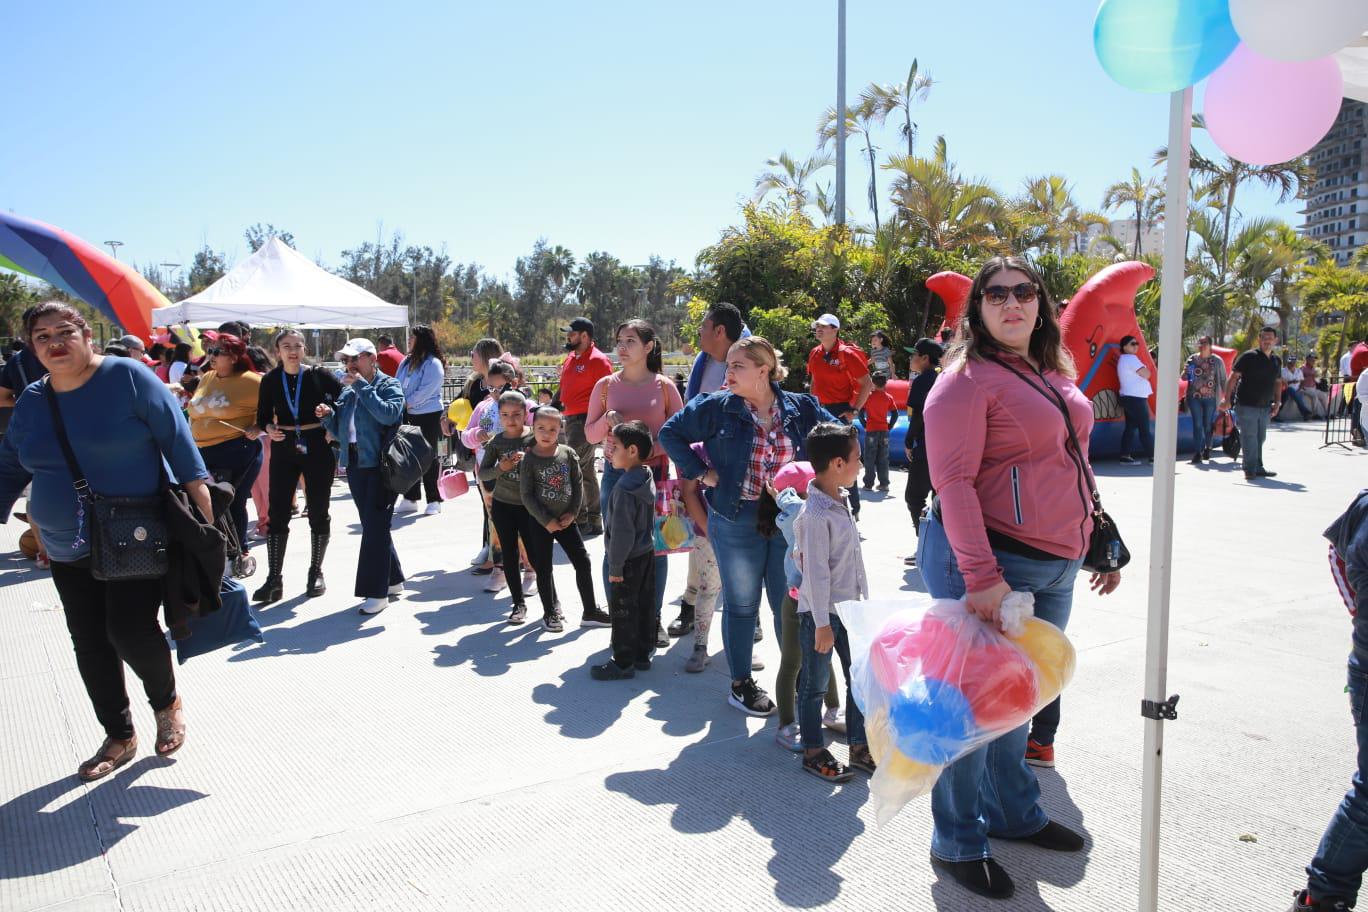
1095 320
953 289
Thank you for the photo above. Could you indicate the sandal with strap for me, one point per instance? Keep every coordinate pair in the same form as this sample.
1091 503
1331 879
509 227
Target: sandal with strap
826 767
170 729
861 759
112 754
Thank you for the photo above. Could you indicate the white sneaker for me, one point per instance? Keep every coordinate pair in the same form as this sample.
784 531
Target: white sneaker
529 582
497 583
406 506
834 719
481 557
396 592
790 737
433 508
374 605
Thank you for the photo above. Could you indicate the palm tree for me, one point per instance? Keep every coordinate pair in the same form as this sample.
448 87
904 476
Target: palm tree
1049 203
1144 193
884 100
859 119
939 208
1330 289
1240 267
790 179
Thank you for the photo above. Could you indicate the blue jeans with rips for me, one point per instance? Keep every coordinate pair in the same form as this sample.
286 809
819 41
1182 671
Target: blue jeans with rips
990 789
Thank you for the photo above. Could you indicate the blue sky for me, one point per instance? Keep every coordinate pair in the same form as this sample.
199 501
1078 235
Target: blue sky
636 128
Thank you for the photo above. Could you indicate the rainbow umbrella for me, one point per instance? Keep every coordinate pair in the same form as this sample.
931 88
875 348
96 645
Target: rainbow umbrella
80 269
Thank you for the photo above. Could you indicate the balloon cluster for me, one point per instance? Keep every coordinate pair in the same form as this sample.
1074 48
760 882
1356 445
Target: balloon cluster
1275 86
938 686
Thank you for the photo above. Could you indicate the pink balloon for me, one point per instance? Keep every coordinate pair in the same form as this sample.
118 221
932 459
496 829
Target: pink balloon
1264 111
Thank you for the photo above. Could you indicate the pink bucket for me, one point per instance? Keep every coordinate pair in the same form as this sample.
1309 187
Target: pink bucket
452 484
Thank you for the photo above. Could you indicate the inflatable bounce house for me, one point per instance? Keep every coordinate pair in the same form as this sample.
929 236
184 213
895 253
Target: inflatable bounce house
1093 324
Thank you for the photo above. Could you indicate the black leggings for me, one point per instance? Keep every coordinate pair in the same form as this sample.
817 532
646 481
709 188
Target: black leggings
110 624
318 466
540 552
430 423
918 481
511 522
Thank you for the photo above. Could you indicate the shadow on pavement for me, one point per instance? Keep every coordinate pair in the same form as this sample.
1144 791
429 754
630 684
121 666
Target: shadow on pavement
313 636
496 648
48 829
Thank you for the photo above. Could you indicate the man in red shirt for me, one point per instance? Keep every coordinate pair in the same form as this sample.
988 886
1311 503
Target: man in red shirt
880 412
583 367
840 378
388 357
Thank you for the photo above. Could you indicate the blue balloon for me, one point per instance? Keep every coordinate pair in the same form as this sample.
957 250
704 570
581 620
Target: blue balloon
931 721
1163 45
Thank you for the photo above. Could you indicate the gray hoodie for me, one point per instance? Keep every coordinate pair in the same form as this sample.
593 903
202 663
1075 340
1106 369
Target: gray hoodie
629 518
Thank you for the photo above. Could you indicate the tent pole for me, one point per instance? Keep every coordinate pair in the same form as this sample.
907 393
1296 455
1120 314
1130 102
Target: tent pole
1161 511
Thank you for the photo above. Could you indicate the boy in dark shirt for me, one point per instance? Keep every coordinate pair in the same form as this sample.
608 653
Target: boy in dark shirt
629 529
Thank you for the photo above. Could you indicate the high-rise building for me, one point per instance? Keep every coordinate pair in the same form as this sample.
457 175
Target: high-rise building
1337 207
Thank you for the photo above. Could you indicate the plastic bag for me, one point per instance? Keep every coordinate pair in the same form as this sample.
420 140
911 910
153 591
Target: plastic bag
935 682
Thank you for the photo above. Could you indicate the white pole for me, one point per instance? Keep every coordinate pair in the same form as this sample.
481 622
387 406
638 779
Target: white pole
840 112
1161 510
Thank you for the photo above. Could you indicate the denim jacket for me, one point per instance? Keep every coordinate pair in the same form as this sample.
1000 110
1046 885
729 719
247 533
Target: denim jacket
722 422
378 406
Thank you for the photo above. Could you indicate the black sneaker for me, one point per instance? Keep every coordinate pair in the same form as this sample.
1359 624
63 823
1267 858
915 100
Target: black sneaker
750 698
596 617
684 623
518 615
553 621
1264 473
985 877
642 665
611 671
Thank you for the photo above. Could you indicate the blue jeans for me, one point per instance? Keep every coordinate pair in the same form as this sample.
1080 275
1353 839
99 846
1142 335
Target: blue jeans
876 457
377 565
991 789
747 562
1253 423
1137 413
1342 856
1203 419
662 562
237 462
1296 396
813 682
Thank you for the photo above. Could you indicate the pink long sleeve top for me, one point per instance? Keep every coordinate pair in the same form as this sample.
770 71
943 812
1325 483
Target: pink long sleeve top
652 403
1000 459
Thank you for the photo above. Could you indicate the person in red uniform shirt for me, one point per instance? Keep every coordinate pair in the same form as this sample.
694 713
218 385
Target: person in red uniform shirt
880 412
582 368
388 357
840 379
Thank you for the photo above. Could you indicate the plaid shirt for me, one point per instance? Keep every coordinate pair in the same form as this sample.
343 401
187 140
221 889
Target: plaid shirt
770 450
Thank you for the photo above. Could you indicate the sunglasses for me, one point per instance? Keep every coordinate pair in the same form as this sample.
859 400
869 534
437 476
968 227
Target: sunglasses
1024 292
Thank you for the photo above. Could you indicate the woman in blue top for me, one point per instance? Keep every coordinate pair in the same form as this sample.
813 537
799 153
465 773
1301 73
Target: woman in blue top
368 408
749 431
421 375
122 423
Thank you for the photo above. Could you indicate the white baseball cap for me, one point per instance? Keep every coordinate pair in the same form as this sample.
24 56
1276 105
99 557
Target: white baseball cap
356 347
827 320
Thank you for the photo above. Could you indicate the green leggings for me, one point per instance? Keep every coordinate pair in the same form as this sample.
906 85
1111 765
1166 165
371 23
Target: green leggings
790 663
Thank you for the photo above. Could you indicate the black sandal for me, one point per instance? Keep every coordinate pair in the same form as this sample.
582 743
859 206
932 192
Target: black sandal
862 760
826 767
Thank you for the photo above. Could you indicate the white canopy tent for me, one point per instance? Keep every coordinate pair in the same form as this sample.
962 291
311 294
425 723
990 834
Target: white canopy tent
1353 61
278 286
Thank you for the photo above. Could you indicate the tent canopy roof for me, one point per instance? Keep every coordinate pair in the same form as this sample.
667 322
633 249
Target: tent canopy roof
278 286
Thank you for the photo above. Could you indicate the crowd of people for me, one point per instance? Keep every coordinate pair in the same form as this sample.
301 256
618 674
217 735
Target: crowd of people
998 491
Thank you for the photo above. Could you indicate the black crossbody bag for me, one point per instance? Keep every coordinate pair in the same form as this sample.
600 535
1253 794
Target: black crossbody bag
128 535
1106 552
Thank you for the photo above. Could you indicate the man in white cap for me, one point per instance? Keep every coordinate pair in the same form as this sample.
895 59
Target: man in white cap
840 378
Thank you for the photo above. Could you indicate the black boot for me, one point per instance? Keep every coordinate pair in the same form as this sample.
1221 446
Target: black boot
318 545
273 588
685 622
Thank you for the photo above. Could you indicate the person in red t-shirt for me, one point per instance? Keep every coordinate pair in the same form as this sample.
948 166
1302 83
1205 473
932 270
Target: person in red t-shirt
840 378
388 357
582 368
880 413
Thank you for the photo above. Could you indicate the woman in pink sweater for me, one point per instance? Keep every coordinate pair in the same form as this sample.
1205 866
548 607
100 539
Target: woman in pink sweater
638 391
1013 512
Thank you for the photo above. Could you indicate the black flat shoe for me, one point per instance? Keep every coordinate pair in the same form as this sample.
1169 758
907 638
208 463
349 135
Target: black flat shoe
985 877
1055 836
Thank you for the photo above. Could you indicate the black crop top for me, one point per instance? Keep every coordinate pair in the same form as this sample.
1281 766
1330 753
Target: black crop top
317 386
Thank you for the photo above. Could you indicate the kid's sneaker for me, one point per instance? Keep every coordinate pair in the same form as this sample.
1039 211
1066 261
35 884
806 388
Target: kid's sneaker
518 615
1038 754
789 737
750 698
553 621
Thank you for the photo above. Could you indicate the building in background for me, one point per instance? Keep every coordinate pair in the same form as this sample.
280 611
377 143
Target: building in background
1151 238
1336 212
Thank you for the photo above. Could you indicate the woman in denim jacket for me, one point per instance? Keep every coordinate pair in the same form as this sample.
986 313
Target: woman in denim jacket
749 430
371 404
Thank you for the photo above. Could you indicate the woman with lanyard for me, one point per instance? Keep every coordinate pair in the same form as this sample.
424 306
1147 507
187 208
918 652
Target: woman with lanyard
638 391
121 424
222 413
749 431
286 413
1006 437
421 375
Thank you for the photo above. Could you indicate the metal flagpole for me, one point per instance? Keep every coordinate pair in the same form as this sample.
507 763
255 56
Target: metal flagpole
840 112
1155 707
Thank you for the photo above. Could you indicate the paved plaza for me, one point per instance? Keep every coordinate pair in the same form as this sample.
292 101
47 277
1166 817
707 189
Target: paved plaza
433 757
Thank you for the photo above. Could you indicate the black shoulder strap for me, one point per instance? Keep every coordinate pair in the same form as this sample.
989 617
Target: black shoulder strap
78 477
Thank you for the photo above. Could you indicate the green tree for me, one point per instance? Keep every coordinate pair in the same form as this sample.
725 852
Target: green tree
1330 290
860 120
205 269
1144 195
790 178
885 100
942 210
257 235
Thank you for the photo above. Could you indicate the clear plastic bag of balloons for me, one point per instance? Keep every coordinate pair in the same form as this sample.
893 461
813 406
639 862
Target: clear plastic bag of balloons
935 682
